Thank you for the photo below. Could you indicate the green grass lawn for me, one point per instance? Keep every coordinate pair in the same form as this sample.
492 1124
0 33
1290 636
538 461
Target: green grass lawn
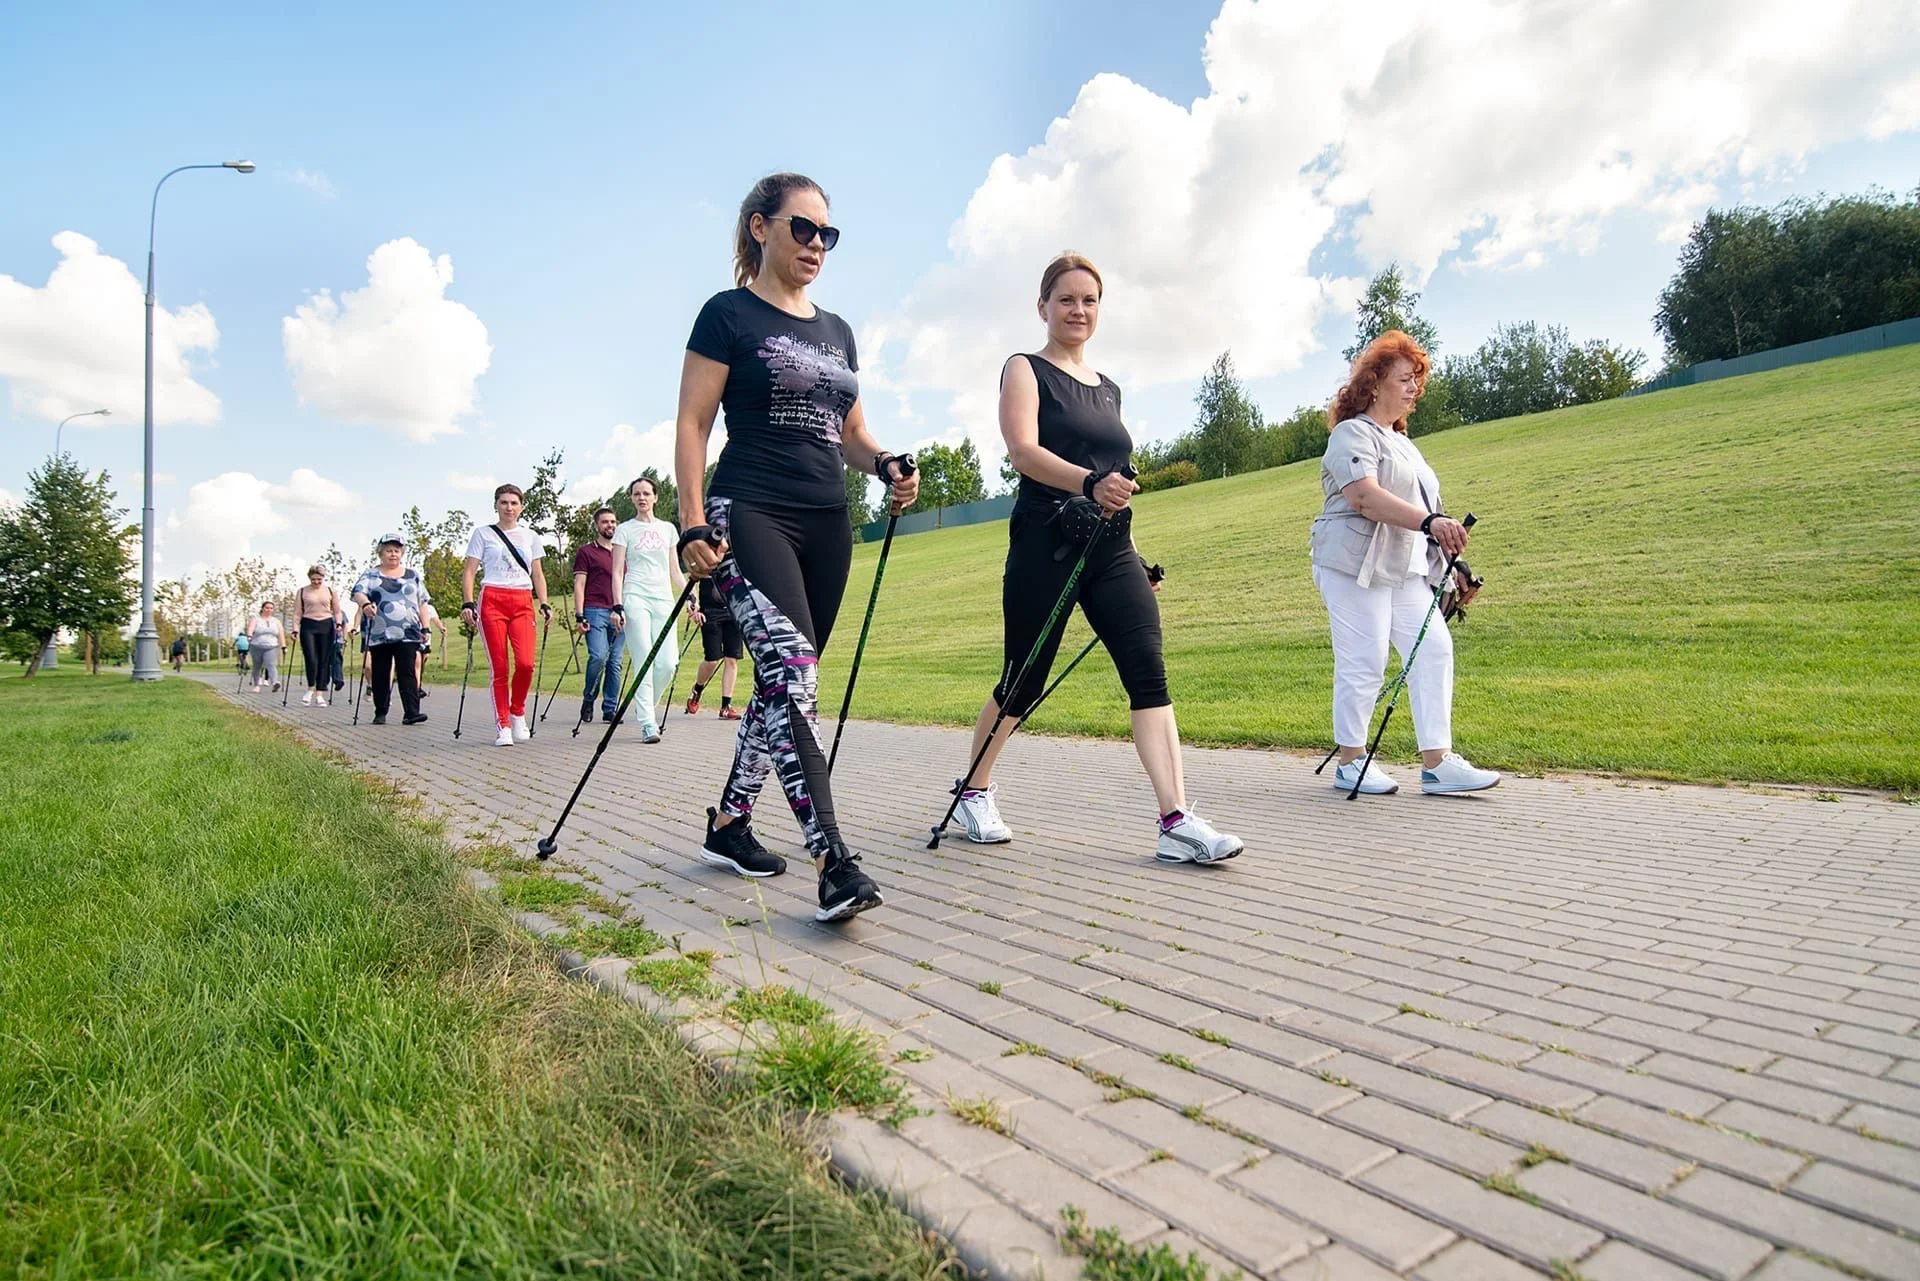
251 1024
1717 582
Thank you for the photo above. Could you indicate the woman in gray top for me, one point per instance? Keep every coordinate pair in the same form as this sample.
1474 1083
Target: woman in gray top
1380 546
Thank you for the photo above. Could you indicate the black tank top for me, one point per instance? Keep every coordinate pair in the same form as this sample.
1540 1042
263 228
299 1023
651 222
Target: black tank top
1079 423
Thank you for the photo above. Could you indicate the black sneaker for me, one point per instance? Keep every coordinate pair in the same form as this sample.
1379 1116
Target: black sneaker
379 718
734 848
845 890
586 712
414 719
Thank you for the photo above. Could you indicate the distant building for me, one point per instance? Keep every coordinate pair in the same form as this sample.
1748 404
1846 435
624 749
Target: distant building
219 623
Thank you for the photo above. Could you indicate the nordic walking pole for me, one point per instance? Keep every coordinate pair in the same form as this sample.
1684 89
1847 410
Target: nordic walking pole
466 676
573 658
1400 680
673 686
1046 633
547 844
546 626
873 598
359 679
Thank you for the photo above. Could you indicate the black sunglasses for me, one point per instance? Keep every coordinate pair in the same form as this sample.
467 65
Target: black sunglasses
805 229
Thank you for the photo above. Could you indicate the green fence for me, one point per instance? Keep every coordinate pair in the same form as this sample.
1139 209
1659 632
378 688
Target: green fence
1897 334
941 518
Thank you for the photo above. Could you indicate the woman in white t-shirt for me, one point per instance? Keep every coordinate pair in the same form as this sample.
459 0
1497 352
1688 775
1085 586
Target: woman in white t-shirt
648 573
508 555
1380 545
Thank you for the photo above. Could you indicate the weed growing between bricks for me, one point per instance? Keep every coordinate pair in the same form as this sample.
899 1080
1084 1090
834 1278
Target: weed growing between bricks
981 1111
1109 1257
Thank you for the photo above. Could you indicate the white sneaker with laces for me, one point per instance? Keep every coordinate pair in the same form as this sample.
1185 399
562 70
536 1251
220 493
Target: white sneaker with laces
1377 782
1455 773
1193 840
306 699
519 729
979 812
505 737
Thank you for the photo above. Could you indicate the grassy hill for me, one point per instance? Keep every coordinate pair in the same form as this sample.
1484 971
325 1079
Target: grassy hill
1716 582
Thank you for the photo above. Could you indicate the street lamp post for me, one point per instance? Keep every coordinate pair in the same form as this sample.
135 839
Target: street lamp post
146 641
69 418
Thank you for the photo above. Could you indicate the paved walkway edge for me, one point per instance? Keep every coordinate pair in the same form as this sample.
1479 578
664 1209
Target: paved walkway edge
990 1240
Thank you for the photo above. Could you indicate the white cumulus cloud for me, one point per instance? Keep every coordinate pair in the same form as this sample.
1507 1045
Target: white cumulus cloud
226 515
397 353
76 343
312 181
628 451
1495 132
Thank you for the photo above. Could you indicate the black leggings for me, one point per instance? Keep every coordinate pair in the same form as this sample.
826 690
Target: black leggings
1114 594
396 661
784 575
316 647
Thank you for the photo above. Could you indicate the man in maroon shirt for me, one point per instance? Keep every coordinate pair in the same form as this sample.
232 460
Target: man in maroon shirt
602 621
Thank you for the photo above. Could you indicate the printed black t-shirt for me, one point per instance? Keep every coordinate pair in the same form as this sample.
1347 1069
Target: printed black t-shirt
1079 423
790 385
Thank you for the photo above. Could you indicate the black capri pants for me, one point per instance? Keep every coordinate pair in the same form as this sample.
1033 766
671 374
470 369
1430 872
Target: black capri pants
720 636
1114 594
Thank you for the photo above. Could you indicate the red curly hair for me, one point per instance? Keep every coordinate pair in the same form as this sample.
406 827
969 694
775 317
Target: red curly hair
1369 369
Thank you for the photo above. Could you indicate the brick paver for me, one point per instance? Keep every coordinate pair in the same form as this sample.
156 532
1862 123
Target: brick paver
1610 1029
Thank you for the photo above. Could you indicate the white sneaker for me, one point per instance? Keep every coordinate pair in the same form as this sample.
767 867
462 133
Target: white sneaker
319 700
505 737
519 729
1193 840
306 699
1455 773
1377 782
982 817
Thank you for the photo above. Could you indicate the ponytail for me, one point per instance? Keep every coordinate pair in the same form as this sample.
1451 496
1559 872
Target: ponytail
765 199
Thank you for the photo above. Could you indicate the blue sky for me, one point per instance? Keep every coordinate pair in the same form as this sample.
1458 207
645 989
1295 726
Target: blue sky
580 173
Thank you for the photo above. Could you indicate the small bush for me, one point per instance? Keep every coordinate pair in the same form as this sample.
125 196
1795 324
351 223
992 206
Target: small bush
1172 476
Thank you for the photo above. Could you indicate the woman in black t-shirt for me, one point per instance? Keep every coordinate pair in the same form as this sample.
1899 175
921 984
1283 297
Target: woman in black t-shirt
1061 421
784 371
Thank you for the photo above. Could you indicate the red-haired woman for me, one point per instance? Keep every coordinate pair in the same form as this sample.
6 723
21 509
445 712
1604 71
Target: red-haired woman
1380 545
1061 421
783 369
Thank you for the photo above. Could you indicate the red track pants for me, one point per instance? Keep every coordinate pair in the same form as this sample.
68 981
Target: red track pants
506 618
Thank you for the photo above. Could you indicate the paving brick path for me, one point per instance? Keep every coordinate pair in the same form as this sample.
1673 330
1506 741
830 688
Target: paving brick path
1571 1027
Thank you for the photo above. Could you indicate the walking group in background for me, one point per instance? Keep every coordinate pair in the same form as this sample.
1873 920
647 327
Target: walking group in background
770 545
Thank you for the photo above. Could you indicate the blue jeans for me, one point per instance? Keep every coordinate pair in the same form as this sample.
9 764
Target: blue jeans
605 645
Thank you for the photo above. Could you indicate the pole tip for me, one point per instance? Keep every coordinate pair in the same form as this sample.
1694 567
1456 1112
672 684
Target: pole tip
934 844
545 847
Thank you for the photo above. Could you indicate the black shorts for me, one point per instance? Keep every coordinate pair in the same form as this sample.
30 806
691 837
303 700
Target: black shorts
720 637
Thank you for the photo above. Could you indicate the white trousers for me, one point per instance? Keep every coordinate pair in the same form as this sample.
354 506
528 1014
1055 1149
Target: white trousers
1364 620
645 618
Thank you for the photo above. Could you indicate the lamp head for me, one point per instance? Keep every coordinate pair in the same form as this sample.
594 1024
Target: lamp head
240 166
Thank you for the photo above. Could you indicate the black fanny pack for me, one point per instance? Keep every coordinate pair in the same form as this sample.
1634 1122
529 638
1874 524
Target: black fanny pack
1079 519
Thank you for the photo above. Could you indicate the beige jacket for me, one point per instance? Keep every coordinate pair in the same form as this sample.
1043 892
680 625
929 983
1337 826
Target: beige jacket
1346 542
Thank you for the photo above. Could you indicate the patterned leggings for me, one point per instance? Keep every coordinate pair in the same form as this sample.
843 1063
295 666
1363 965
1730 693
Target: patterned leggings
784 575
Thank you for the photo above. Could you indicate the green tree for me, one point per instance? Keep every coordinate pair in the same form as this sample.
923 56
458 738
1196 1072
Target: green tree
65 560
1389 304
1010 475
1228 429
859 510
1751 279
1598 370
949 475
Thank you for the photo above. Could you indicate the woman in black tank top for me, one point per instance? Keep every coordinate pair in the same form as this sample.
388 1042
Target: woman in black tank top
1064 434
